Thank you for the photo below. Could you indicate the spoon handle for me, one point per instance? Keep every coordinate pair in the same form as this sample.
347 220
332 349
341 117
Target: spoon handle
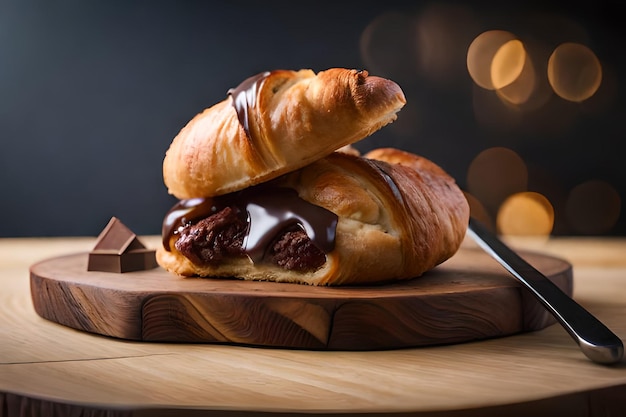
595 340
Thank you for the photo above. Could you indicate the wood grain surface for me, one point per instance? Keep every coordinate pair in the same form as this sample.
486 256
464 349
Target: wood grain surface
48 369
467 298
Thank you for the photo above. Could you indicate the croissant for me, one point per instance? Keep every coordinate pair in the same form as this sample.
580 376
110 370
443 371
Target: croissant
274 123
343 219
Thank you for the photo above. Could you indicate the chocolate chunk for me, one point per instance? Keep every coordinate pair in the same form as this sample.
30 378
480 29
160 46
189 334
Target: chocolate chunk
254 225
118 249
213 238
221 235
295 251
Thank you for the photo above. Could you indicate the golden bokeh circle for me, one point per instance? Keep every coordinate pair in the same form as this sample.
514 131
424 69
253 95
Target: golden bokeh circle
514 74
525 214
480 55
574 72
507 63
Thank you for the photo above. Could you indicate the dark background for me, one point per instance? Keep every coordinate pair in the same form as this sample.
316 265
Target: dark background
92 93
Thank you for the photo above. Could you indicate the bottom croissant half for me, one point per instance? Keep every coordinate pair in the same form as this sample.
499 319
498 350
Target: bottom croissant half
388 215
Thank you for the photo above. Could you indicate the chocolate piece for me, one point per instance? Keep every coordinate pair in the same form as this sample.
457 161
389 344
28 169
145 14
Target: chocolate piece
119 250
294 251
212 239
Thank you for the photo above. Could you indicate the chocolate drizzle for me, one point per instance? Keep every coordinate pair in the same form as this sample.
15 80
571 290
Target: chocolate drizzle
270 211
183 213
244 98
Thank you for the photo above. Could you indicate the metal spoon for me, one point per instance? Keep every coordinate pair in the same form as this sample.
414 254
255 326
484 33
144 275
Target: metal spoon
595 340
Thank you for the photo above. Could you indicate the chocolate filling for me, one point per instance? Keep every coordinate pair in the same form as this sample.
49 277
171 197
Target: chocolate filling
267 224
210 240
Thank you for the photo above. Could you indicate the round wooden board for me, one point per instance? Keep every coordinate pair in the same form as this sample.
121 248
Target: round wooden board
469 297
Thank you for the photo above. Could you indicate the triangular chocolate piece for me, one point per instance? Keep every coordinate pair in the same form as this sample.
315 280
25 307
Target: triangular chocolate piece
117 238
118 249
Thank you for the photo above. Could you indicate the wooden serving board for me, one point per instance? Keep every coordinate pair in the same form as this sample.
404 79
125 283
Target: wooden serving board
469 297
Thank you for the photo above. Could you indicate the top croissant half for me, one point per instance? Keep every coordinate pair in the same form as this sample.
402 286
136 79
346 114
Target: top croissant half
273 123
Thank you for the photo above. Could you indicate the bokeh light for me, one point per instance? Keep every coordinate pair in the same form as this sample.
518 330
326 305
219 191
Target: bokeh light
525 74
495 174
513 72
547 181
481 53
507 64
502 65
531 91
527 88
574 72
593 207
525 214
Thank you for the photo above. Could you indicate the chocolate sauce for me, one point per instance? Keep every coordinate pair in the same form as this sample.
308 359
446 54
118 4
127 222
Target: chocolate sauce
273 211
185 212
270 211
244 98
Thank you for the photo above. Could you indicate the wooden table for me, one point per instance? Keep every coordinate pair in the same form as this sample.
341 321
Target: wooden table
49 369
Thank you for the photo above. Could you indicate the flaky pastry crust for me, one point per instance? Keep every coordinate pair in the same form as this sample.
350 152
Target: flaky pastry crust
399 215
297 117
